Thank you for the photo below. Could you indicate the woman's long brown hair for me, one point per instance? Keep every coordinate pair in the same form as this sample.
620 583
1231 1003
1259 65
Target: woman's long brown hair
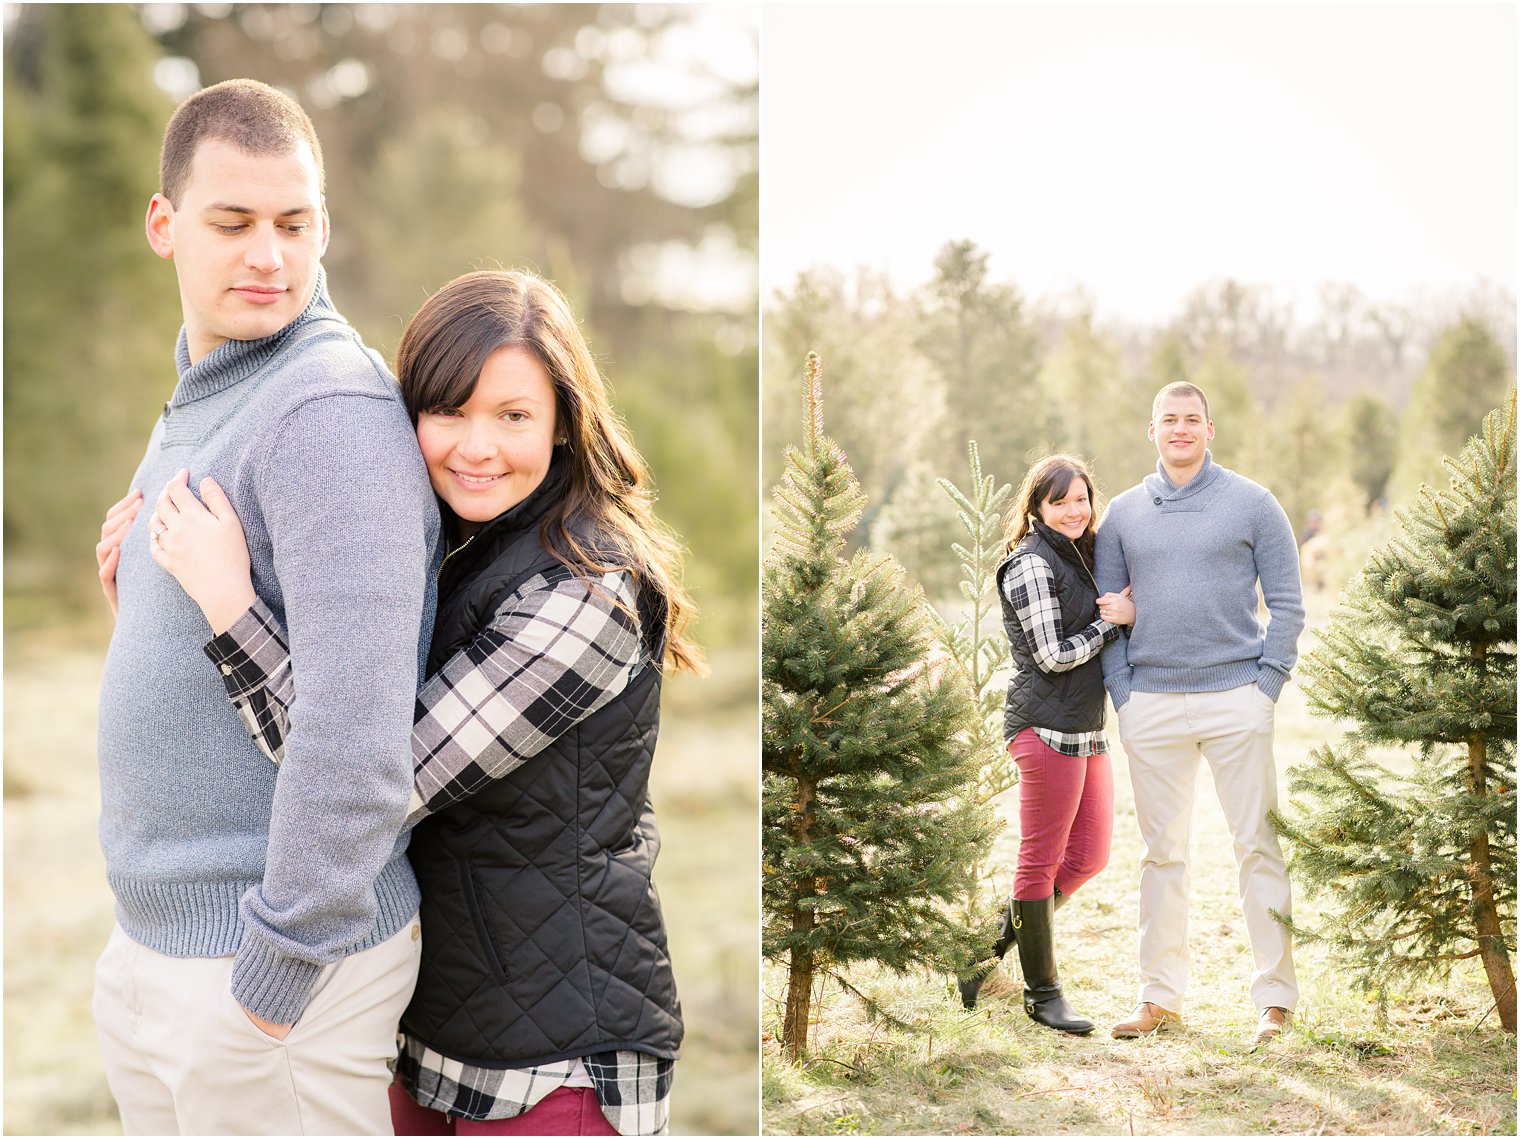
438 363
1050 478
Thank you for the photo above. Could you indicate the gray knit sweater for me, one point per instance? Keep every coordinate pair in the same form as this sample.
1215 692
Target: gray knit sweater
210 849
1194 555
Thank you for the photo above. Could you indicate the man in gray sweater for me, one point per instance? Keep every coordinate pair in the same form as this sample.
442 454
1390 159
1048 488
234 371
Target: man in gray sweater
1199 675
266 938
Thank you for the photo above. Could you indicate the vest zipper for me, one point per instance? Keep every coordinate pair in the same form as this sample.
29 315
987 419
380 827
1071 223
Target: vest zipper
439 576
1078 551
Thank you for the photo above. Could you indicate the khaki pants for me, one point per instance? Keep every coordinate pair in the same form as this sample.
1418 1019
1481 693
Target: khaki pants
1163 735
182 1057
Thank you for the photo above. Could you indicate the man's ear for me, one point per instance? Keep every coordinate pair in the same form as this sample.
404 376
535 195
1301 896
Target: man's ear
326 228
159 226
1150 431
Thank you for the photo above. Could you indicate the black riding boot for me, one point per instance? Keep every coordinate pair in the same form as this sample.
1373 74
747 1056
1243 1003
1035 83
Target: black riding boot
971 984
1034 927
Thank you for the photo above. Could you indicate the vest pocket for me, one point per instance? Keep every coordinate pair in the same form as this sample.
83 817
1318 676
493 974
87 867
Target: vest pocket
474 896
625 844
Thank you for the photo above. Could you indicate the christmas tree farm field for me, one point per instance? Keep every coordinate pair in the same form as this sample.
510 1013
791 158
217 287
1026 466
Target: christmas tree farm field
1440 1064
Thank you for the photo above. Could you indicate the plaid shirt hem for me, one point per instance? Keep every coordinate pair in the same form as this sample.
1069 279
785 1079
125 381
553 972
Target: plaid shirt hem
632 1087
1074 743
1031 589
557 650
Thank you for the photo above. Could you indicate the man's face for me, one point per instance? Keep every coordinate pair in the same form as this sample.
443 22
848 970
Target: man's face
246 239
1181 431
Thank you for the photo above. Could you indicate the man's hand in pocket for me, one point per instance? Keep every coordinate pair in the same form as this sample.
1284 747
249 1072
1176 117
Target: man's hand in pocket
268 1027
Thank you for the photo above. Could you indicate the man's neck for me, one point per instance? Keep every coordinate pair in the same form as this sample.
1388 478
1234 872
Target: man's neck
202 346
1181 476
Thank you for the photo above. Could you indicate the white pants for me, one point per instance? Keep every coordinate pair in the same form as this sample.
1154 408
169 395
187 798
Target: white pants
1163 735
182 1057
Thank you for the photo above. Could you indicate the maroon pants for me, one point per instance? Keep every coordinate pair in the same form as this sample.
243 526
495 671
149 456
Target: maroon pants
1066 817
564 1111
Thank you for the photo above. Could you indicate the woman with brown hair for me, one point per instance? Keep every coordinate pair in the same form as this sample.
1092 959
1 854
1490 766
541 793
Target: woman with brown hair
1053 721
545 1002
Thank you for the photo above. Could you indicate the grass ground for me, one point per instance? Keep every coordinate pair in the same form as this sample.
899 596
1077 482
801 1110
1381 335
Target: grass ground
1440 1065
58 908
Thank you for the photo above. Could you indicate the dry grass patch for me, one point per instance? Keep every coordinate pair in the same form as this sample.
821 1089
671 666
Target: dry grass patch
993 1071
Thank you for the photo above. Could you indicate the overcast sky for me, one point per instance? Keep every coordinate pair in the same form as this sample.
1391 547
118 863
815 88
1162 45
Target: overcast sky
1142 149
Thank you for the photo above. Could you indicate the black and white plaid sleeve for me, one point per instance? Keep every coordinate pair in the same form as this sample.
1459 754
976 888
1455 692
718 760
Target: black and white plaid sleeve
254 661
558 649
1031 589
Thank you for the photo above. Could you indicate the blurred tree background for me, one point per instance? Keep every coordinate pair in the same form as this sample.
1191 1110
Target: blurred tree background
611 148
1341 414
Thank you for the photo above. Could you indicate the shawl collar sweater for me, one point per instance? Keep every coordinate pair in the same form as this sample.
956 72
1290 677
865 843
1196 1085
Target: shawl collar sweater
1195 555
210 849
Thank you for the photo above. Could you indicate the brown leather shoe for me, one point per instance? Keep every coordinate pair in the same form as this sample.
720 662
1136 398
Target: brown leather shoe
1270 1024
1148 1018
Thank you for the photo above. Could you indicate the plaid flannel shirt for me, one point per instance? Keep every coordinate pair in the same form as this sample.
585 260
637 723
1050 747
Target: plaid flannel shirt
1031 589
632 1087
557 650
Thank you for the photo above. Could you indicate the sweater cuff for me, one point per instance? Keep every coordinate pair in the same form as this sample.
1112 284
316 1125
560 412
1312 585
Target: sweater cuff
271 984
1270 681
1118 688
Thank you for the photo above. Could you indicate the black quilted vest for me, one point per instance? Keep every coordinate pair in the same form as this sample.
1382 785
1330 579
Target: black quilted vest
1070 701
542 934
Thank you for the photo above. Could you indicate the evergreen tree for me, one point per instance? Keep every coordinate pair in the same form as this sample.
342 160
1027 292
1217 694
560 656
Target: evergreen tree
1234 409
90 313
704 465
888 405
1096 409
1467 372
1169 361
868 830
913 527
460 193
1420 868
979 646
1304 452
978 335
1369 428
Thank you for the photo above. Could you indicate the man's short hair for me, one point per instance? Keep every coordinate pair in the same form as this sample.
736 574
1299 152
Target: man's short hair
252 116
1184 389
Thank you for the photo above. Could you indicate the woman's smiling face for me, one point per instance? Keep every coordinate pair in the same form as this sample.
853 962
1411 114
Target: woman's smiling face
1068 511
486 456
